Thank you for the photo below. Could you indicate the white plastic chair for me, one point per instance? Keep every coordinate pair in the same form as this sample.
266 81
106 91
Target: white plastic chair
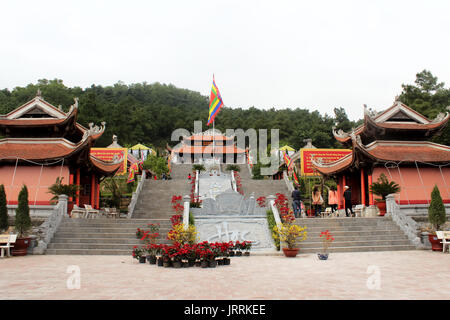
91 211
9 244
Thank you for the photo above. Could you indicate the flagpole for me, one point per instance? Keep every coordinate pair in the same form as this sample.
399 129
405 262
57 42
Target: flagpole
214 137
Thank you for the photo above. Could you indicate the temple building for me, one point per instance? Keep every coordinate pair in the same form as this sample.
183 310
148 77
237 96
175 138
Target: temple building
39 143
200 146
395 142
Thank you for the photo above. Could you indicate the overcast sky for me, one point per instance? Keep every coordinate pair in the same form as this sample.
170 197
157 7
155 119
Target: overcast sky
312 54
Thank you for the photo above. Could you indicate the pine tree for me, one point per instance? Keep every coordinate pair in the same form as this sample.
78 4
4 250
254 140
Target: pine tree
3 209
23 220
436 211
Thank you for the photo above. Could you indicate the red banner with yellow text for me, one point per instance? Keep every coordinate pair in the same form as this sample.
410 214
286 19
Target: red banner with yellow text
107 154
325 155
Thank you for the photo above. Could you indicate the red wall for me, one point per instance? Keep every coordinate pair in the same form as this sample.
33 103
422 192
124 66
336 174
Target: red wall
36 182
412 189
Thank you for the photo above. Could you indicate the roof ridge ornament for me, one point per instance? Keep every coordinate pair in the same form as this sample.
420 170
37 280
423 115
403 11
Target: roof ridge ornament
38 93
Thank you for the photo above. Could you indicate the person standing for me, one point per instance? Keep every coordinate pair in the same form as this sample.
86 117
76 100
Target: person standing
296 202
333 199
317 201
348 201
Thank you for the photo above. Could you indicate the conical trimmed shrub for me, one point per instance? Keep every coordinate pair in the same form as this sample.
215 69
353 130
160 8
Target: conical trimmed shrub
436 211
3 209
23 220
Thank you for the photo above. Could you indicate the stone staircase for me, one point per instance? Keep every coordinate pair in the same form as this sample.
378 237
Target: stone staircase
261 187
354 234
102 236
108 236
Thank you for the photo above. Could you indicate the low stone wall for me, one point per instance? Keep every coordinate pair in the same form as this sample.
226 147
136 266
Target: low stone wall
35 211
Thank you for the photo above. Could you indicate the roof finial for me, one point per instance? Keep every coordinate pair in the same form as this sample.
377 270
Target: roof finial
396 99
38 93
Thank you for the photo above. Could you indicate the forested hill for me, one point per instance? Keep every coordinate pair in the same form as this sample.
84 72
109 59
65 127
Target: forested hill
148 113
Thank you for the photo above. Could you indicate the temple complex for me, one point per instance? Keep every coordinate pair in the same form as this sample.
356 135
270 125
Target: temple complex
200 146
40 142
395 142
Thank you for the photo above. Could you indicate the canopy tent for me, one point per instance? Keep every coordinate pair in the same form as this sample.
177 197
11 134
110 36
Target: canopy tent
286 148
141 152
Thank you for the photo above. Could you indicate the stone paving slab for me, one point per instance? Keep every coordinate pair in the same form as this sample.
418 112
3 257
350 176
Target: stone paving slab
403 275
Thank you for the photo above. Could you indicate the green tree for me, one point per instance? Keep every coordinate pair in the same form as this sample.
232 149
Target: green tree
23 221
436 210
3 209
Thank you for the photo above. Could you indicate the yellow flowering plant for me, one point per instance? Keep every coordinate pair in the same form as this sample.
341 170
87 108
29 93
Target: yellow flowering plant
179 235
290 234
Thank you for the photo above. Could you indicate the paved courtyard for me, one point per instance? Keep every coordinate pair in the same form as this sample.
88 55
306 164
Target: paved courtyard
366 275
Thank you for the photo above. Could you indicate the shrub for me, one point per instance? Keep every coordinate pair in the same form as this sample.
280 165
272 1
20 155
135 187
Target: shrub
436 210
198 167
272 224
233 167
23 220
383 187
3 209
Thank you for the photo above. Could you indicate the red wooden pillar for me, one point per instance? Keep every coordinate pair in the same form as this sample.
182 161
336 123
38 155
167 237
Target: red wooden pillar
71 182
93 191
363 188
369 178
78 184
98 193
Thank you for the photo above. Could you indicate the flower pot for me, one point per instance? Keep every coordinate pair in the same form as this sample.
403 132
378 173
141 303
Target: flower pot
191 263
239 253
20 247
381 204
231 253
151 259
323 256
142 259
167 263
226 261
212 263
247 253
290 253
436 244
160 262
177 264
204 264
198 263
186 264
220 262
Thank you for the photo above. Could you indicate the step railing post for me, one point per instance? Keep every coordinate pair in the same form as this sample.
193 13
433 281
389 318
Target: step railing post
186 203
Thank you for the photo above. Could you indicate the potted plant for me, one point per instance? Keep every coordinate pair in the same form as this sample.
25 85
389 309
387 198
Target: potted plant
58 188
246 245
382 187
290 234
238 248
327 239
138 254
437 218
3 209
22 224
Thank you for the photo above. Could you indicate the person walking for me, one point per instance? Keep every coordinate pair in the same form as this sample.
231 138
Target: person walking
348 201
296 202
317 201
333 199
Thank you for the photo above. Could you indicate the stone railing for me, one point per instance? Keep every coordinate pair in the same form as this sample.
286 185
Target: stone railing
135 196
407 224
48 228
250 170
289 184
186 204
276 214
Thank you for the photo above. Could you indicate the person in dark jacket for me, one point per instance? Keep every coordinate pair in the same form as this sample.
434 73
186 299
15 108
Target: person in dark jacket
296 203
348 201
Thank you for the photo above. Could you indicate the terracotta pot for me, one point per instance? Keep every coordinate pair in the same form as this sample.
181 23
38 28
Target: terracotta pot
290 253
381 204
20 247
436 244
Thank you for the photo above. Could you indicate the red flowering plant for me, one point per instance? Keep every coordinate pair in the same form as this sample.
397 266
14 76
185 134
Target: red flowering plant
261 202
153 249
282 204
139 233
327 239
150 235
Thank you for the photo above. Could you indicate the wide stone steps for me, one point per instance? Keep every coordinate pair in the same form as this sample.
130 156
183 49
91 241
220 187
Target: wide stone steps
103 236
353 235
